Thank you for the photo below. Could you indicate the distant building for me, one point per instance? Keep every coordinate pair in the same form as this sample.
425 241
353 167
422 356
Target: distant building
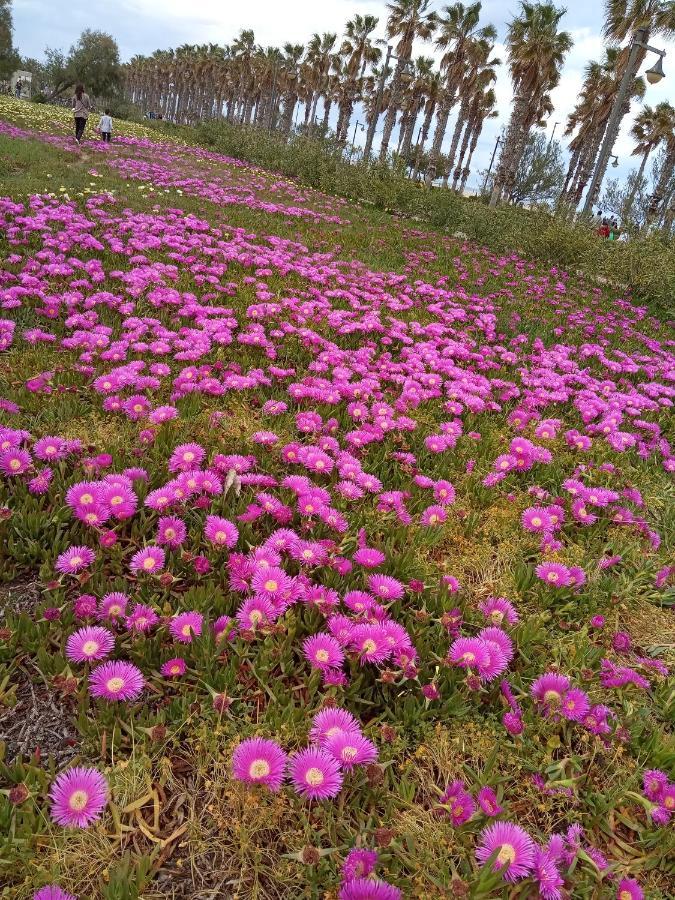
24 81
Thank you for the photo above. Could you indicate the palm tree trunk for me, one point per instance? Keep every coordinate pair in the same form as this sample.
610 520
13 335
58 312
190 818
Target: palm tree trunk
327 104
467 168
340 122
586 167
312 115
286 123
439 135
408 134
402 128
518 148
574 161
459 124
630 199
661 189
426 125
507 158
392 108
625 109
468 131
669 216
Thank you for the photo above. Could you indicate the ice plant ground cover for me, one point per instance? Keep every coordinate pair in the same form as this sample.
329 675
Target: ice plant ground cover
336 556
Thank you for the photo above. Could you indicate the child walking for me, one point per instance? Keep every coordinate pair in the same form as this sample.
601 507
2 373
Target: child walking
105 126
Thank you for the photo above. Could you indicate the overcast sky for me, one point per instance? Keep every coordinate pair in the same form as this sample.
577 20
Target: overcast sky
142 26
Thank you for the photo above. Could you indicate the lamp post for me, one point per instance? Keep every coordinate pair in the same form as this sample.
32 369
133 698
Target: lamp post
550 140
494 153
378 102
351 149
273 97
654 75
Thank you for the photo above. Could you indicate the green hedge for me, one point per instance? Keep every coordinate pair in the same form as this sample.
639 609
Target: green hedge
646 265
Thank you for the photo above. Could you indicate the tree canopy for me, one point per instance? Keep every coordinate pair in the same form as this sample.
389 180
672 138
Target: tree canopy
94 60
9 58
540 174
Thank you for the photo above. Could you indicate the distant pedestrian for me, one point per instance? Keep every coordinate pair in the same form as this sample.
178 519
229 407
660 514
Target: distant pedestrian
18 87
81 110
105 126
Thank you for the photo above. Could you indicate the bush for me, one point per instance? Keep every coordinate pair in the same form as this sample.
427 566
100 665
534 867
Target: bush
646 265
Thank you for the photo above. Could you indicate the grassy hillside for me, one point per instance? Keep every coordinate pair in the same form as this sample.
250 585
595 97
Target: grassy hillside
421 479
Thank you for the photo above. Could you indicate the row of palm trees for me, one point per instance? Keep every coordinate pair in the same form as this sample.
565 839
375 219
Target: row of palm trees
653 127
301 86
271 87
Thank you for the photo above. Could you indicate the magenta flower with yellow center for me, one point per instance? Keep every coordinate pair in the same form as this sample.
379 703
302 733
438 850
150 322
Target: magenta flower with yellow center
78 797
91 642
259 761
116 680
186 626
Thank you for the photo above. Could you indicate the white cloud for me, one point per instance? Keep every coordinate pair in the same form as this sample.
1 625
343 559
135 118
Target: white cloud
219 21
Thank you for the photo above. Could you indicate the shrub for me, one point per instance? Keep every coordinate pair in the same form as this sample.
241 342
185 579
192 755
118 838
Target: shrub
645 265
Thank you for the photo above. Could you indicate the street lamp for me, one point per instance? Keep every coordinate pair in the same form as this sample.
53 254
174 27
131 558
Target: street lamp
616 160
273 96
378 99
654 75
360 125
498 143
550 140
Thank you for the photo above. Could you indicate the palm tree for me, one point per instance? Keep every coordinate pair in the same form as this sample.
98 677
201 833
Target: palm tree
412 103
536 52
482 108
479 72
331 90
318 62
582 117
409 20
624 17
267 74
458 26
243 48
659 198
591 116
358 52
650 128
290 84
432 92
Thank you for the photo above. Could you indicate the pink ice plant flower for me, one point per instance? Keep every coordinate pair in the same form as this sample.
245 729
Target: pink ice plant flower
116 681
186 626
514 847
90 643
78 797
148 561
315 774
259 761
74 560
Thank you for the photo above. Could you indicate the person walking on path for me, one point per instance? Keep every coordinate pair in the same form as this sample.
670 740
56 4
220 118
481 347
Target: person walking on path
18 87
105 126
81 110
